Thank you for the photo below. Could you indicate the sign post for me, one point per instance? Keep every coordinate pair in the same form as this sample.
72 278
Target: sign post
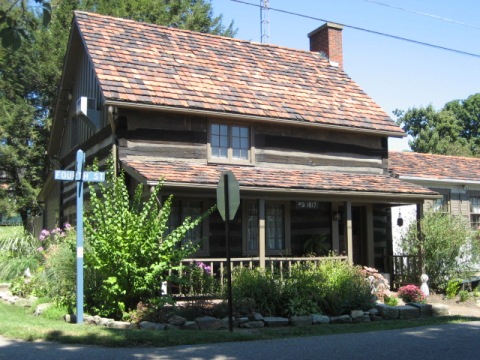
79 176
228 200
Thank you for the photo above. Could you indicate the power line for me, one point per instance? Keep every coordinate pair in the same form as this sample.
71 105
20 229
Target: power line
367 30
424 14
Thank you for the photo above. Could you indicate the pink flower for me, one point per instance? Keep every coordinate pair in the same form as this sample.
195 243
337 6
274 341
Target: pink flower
40 248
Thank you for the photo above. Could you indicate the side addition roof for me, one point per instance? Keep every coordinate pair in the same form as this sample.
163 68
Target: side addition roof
432 167
139 64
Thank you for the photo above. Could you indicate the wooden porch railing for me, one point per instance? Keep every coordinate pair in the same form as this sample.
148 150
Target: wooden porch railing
405 270
219 266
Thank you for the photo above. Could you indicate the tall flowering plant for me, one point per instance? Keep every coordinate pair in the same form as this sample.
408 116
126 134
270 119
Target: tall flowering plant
412 294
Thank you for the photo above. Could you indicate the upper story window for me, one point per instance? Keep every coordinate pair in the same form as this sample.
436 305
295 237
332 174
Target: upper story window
229 143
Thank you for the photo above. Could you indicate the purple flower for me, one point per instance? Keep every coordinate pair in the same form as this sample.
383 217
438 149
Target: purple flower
40 248
67 226
43 235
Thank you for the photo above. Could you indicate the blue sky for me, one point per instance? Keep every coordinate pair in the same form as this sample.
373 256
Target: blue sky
396 74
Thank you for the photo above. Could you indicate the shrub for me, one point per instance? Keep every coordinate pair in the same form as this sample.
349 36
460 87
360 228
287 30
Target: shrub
453 286
464 295
390 301
412 294
128 249
256 289
343 288
447 247
19 251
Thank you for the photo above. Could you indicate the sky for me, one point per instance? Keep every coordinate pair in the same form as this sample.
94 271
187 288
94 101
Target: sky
396 74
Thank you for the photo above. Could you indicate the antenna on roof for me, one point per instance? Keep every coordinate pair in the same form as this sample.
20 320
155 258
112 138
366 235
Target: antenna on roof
264 22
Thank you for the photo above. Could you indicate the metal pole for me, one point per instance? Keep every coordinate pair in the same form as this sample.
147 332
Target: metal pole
79 179
227 245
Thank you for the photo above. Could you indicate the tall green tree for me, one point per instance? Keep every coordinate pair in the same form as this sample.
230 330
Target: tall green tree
452 130
18 20
30 74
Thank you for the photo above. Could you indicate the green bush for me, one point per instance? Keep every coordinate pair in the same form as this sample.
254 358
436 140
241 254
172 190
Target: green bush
343 288
128 250
453 286
447 247
332 287
19 251
463 295
390 301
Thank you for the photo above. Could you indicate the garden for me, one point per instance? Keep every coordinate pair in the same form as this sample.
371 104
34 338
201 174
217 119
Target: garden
130 254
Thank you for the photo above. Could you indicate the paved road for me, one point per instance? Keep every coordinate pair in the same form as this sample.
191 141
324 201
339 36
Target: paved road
452 341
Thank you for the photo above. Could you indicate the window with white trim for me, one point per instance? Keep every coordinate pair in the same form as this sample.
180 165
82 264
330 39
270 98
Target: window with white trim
475 212
229 143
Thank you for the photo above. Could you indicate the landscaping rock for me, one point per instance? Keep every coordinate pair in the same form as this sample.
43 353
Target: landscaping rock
357 316
373 312
425 310
177 320
118 325
408 312
255 317
148 325
208 323
191 325
171 327
234 322
440 310
241 320
366 318
41 308
272 321
320 319
70 318
342 319
301 321
387 312
253 325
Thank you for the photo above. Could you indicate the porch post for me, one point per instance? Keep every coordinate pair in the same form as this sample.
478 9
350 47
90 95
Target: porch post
370 236
421 263
261 233
349 231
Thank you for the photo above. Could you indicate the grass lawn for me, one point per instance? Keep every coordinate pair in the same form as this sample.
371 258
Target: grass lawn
19 323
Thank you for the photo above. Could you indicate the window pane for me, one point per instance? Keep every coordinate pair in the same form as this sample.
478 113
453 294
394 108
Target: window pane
240 142
192 209
219 140
275 226
252 226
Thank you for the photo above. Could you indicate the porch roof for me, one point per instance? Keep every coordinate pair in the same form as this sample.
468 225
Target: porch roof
189 174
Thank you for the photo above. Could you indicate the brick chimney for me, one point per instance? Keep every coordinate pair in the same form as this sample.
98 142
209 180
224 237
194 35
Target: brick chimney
328 39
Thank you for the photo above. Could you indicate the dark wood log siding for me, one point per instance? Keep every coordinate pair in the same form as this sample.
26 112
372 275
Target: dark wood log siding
163 136
171 136
308 223
324 149
382 237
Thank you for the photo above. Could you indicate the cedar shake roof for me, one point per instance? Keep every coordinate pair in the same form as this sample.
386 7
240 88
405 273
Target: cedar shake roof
430 166
145 64
186 173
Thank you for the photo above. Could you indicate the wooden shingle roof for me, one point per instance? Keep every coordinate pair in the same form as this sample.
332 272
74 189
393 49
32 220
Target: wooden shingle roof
432 166
139 63
312 181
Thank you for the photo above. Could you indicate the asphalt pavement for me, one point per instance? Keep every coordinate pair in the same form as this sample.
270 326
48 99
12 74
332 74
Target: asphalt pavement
449 341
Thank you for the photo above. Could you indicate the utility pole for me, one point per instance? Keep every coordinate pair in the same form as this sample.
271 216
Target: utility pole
264 22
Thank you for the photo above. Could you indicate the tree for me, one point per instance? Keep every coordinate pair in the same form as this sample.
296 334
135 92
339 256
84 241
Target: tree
30 74
448 247
453 130
17 21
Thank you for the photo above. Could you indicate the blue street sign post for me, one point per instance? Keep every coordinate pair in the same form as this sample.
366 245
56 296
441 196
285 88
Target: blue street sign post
80 177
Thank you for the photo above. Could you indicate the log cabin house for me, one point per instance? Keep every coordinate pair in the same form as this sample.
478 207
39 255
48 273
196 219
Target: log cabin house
308 147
